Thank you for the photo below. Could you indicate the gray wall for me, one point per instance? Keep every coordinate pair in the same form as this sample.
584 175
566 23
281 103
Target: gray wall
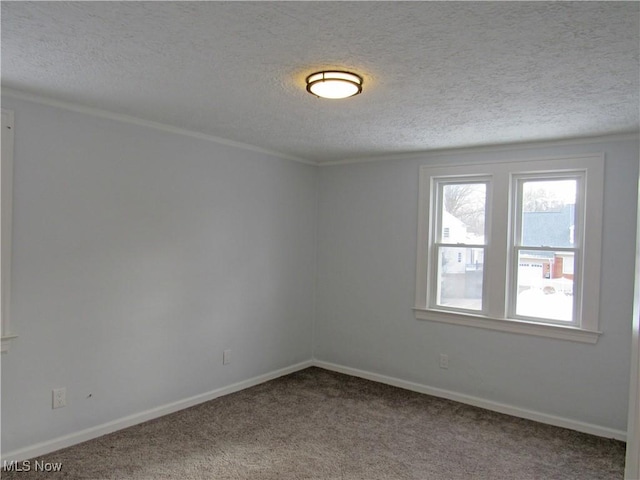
367 224
138 257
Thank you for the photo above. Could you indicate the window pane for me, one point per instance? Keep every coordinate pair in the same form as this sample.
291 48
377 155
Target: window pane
460 277
545 285
462 212
548 213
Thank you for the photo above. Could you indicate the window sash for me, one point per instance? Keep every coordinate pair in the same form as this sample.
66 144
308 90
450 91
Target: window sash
512 297
439 186
517 181
439 241
436 283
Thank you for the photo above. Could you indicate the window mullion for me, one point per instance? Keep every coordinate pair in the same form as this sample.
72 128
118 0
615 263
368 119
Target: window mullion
496 265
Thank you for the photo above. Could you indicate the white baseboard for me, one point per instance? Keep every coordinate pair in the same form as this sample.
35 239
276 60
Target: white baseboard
478 402
109 427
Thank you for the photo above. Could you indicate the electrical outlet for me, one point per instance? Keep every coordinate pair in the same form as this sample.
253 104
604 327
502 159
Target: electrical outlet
444 361
226 357
59 397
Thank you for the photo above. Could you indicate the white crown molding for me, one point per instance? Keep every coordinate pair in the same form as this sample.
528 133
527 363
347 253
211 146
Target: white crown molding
31 97
425 154
97 112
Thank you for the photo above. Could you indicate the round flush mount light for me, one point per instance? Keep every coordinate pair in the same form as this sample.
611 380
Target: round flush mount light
334 84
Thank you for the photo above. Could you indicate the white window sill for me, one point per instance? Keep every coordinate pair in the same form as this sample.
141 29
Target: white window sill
5 341
561 332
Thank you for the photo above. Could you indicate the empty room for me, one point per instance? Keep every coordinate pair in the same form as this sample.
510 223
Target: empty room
320 240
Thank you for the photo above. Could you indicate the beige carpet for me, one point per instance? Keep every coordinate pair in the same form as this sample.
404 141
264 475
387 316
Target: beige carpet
316 424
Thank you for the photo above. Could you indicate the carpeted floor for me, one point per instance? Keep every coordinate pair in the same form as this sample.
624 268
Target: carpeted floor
317 424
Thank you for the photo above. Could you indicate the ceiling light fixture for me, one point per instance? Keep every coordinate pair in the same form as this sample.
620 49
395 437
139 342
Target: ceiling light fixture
334 84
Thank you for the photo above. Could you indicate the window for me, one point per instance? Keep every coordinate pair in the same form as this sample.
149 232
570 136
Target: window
545 217
509 246
6 191
460 209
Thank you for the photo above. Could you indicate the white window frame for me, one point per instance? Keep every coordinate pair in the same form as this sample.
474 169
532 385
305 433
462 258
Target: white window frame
500 263
437 226
515 246
6 197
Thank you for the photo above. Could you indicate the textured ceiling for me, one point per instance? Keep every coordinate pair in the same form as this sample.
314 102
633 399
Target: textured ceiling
436 74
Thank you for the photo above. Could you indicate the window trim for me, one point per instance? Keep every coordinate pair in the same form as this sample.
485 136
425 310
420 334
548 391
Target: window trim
6 192
498 244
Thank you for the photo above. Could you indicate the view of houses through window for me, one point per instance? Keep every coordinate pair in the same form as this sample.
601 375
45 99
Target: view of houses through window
461 248
543 247
512 246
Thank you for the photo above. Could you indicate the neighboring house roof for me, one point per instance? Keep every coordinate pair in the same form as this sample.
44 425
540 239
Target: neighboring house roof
448 220
551 228
459 230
